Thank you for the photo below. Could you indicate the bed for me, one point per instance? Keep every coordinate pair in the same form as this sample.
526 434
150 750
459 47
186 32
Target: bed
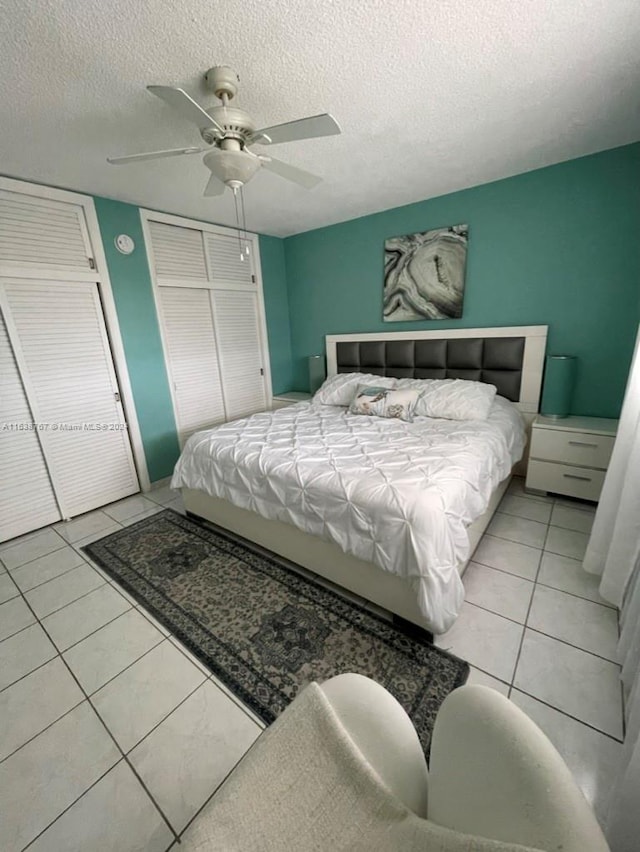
390 511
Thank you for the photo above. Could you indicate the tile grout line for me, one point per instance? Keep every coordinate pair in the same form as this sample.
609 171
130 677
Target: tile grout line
164 718
539 582
537 630
573 594
79 598
208 799
499 614
536 521
128 666
26 626
46 727
56 611
27 537
106 728
569 716
111 620
31 671
571 645
68 808
526 621
51 579
35 558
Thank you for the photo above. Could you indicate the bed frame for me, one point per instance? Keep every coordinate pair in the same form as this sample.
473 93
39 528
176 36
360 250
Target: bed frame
512 358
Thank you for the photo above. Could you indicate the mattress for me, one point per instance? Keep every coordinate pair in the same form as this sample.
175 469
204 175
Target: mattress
400 495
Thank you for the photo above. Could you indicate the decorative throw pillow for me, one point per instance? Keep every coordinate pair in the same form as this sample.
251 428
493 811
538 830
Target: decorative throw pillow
384 402
339 389
451 399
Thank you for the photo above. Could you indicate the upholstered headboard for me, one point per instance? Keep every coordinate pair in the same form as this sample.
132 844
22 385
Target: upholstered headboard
509 358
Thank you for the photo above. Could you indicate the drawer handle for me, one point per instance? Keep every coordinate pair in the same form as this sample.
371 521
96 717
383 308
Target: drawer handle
581 478
581 444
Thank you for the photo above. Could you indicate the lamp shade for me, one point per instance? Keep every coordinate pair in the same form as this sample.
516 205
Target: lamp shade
559 379
317 372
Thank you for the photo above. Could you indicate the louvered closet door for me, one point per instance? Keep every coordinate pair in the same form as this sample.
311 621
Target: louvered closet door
192 358
27 501
61 346
41 234
238 333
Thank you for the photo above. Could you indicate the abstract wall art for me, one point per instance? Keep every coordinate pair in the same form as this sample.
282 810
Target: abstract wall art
424 275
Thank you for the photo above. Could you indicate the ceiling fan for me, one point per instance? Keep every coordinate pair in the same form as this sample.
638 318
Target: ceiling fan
229 132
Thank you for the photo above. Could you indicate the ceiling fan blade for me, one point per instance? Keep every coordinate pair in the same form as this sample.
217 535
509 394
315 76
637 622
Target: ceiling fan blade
292 173
152 155
185 104
303 128
214 187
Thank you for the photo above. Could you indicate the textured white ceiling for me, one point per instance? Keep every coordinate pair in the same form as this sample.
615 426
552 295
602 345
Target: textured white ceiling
431 96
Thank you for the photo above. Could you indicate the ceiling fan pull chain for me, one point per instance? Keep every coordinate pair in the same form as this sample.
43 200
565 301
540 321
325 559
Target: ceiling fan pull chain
244 223
235 202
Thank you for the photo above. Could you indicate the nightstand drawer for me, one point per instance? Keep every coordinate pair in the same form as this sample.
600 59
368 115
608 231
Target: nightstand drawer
579 448
578 482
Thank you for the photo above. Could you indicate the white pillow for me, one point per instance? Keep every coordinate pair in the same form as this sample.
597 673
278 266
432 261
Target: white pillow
341 388
451 399
377 401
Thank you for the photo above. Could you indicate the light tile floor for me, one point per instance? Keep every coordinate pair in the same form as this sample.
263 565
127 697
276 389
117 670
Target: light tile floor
113 737
534 627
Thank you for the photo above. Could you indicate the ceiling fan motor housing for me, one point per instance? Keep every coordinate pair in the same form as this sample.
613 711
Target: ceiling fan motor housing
235 122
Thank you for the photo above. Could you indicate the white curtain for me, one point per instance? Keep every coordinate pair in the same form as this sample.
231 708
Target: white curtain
614 552
623 820
615 539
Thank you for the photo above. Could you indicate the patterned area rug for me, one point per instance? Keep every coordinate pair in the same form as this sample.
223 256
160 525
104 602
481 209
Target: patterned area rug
264 629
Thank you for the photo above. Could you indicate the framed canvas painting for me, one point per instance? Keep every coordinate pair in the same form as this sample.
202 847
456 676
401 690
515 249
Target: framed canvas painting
424 275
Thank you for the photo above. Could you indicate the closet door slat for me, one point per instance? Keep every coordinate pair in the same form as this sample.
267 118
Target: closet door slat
27 501
192 358
69 376
238 334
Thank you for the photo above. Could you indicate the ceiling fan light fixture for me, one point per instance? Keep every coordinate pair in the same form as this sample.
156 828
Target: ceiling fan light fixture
233 168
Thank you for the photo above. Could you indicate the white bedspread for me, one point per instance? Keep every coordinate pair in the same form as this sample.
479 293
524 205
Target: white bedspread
397 494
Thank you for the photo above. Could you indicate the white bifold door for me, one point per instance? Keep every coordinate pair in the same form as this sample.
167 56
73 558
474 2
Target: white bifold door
213 331
64 445
27 500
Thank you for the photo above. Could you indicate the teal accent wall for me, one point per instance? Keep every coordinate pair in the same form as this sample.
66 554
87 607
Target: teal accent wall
276 302
135 305
557 246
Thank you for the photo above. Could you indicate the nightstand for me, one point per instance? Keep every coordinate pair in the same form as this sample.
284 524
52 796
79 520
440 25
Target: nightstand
282 400
570 455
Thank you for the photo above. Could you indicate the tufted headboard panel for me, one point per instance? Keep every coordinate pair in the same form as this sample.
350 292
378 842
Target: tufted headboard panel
497 361
509 358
